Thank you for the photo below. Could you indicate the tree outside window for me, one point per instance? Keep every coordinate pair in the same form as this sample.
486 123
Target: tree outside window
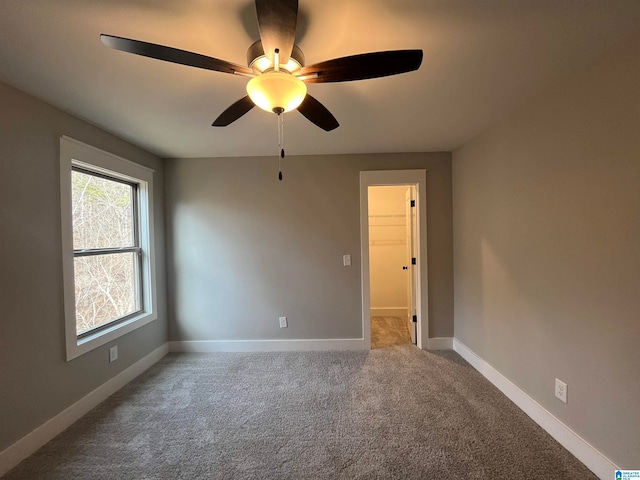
106 249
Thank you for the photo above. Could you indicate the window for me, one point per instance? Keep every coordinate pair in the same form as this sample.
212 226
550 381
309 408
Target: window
107 241
106 249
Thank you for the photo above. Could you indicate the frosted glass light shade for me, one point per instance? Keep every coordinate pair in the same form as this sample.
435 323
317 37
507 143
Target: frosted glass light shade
272 91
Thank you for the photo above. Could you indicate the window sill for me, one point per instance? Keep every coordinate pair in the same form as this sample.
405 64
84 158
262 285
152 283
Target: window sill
76 348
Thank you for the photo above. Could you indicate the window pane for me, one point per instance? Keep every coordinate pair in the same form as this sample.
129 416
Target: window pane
105 288
102 212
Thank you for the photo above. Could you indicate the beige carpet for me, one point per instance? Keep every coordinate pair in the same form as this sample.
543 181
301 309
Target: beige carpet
389 331
392 413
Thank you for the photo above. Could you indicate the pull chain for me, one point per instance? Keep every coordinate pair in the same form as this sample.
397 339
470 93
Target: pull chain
280 144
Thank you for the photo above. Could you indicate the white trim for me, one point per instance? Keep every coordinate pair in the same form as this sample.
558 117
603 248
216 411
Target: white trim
389 311
395 177
440 343
580 448
30 443
208 346
83 145
73 152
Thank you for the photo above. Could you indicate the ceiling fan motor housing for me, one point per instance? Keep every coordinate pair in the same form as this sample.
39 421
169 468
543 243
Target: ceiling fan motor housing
258 62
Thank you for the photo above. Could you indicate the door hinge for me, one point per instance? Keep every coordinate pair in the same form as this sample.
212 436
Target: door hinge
413 261
415 319
413 203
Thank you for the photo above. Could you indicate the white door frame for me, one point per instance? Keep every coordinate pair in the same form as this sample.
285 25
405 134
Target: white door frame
384 178
411 224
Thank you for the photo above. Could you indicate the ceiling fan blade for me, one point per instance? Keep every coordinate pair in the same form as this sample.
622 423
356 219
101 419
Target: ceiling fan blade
234 112
318 114
363 66
277 21
173 55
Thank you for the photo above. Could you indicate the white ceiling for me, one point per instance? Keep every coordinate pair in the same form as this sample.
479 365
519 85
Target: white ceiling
481 59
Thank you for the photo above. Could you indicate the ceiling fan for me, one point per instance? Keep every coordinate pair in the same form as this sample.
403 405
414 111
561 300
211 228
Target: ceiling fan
276 65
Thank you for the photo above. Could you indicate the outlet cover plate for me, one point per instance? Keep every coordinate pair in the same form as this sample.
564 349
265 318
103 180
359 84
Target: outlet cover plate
113 354
283 322
561 390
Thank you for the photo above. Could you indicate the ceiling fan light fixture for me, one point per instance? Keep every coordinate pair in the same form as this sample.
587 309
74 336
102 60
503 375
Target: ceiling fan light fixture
277 91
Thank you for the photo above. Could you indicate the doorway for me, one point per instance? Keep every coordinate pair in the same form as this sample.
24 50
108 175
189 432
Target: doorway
392 254
394 266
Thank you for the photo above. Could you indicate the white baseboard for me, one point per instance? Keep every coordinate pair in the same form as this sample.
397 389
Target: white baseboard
389 312
580 448
207 346
440 343
27 445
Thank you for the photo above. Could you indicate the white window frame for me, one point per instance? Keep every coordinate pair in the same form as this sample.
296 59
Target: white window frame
78 154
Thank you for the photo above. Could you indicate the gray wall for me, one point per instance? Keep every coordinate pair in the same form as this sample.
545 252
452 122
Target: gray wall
246 249
547 250
36 382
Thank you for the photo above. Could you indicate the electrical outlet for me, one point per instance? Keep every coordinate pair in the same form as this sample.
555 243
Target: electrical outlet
346 260
561 390
113 353
283 322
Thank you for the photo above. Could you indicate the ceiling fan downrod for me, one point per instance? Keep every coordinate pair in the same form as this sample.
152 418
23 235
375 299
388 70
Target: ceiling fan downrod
276 60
